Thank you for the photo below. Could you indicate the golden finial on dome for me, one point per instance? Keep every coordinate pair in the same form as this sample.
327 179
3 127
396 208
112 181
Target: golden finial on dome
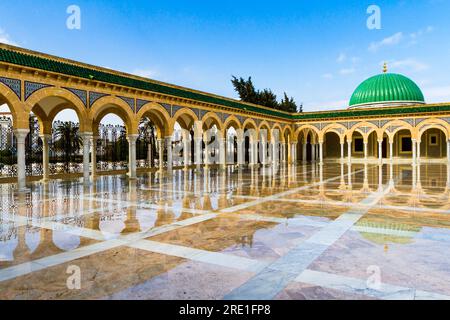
385 68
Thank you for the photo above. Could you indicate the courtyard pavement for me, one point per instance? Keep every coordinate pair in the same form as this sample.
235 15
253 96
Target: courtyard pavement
288 232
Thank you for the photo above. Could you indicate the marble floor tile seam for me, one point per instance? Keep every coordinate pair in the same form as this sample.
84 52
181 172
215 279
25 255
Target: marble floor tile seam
364 287
295 222
214 258
278 195
301 257
319 202
143 205
57 259
50 261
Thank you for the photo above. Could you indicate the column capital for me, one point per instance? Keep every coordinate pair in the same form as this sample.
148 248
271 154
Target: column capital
45 136
21 133
132 137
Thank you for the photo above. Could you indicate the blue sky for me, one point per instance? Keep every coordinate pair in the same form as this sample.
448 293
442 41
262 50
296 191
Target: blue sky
316 51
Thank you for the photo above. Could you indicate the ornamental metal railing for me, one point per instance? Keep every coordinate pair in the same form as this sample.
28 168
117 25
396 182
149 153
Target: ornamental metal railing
111 149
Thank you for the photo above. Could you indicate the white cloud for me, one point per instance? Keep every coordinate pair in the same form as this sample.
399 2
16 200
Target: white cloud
146 73
416 35
389 41
347 71
410 64
342 57
327 76
437 94
6 39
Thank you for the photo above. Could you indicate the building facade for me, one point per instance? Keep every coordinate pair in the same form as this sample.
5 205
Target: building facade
387 121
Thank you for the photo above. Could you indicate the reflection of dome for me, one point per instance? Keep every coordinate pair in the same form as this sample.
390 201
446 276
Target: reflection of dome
66 241
389 231
146 218
111 227
386 89
7 247
32 239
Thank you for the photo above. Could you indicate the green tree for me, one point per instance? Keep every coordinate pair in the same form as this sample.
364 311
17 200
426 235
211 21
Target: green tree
245 89
247 93
288 104
68 140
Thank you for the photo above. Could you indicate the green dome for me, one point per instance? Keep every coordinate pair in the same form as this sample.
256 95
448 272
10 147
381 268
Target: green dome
387 88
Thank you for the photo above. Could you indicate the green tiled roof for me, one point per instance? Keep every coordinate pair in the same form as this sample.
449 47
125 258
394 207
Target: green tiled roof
398 111
37 62
72 69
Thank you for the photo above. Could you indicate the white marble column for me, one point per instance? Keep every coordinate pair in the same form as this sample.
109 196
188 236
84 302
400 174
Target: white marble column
274 152
305 152
240 152
414 151
418 152
293 153
391 151
94 155
380 151
45 156
198 152
150 155
342 152
253 153
366 150
321 152
161 154
87 137
263 152
448 151
349 150
132 138
206 153
222 153
169 154
21 135
186 150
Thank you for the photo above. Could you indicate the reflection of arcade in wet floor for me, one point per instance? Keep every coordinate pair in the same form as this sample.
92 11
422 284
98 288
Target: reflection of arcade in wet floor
305 232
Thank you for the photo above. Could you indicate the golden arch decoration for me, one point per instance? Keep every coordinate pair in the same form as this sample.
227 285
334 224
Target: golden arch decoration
308 132
19 115
72 102
114 105
401 125
212 116
158 115
433 124
232 121
184 117
287 134
357 127
265 125
308 127
250 124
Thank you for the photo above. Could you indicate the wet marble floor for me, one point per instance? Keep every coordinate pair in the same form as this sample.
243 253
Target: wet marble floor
289 232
